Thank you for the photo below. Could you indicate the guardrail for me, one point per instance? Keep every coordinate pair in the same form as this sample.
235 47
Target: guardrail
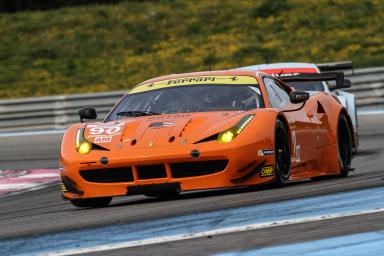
368 87
57 112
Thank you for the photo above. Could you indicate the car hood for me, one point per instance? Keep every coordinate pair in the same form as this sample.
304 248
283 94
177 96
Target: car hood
161 130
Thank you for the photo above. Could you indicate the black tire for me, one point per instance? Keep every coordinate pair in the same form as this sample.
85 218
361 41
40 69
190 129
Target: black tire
282 155
92 202
355 147
344 145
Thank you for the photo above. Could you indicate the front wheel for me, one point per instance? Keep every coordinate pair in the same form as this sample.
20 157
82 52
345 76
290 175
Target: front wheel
282 155
92 202
344 145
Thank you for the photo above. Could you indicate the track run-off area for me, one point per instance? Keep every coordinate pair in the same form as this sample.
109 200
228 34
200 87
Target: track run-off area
339 216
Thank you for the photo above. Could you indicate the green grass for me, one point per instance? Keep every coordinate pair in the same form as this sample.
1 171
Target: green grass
113 47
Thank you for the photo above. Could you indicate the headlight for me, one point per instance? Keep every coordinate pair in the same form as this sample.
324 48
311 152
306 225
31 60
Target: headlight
82 145
231 133
226 136
85 147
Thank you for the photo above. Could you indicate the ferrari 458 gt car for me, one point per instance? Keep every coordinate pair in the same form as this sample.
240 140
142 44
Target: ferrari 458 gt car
297 68
205 130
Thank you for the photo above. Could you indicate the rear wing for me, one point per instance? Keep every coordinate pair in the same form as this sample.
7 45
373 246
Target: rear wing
333 66
311 77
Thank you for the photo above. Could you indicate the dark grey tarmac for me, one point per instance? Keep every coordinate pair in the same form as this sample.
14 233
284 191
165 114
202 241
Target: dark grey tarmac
43 211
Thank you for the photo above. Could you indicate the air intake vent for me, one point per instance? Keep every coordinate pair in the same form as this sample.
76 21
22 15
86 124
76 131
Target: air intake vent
111 175
193 169
151 172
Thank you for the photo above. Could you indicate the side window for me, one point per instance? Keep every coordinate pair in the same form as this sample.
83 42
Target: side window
278 97
284 96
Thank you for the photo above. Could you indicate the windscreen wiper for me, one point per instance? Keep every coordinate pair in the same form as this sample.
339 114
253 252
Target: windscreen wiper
136 113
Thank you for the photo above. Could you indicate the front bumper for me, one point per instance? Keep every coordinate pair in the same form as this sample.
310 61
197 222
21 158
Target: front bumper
239 170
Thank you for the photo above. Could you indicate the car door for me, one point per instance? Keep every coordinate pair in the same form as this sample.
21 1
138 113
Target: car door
302 129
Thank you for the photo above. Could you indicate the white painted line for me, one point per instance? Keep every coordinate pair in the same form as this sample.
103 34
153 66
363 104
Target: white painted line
220 231
37 187
30 133
20 185
40 176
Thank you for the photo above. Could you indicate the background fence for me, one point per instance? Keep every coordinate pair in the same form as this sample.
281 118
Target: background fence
57 112
368 88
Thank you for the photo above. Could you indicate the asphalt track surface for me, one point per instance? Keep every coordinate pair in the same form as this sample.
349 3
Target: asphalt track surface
42 211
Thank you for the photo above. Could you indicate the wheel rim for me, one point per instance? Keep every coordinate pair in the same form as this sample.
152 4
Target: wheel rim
282 153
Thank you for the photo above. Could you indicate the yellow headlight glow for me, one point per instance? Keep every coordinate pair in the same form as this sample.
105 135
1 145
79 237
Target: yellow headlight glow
231 133
226 136
82 145
85 147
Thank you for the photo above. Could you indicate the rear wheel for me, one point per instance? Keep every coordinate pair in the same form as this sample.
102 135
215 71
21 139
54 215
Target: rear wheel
282 155
344 145
92 202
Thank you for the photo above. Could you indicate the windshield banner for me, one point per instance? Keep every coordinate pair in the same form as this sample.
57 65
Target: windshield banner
197 80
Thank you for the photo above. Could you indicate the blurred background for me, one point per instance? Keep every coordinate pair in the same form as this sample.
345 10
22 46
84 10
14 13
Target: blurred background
57 56
56 47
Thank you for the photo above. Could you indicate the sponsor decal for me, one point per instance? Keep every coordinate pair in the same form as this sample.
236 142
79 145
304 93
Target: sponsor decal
197 80
285 74
98 130
192 80
103 139
267 171
62 187
265 152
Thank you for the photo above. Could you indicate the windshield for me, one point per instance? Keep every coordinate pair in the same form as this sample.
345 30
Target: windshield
307 86
191 98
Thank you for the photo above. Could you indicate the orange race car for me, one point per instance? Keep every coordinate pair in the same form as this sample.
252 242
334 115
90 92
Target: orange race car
206 130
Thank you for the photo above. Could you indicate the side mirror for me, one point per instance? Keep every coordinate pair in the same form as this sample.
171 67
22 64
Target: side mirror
298 97
87 113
